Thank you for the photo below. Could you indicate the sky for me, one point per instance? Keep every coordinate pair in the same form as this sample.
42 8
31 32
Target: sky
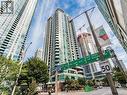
46 8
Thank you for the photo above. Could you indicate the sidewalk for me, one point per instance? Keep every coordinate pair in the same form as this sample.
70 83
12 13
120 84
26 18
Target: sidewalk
103 91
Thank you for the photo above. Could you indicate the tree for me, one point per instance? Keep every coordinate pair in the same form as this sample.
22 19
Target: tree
32 88
38 70
118 76
34 71
82 81
74 85
71 84
8 73
67 79
89 82
105 81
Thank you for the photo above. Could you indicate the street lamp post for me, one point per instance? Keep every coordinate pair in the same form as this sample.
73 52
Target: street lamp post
21 62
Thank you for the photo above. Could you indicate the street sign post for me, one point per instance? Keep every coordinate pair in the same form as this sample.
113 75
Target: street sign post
82 61
105 67
85 60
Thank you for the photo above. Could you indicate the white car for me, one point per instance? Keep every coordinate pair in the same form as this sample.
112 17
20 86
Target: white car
118 85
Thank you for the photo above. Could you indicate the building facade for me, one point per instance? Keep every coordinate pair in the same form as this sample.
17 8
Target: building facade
61 45
14 28
115 13
123 66
39 53
87 47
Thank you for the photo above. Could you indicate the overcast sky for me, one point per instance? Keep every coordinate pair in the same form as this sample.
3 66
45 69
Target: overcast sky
46 8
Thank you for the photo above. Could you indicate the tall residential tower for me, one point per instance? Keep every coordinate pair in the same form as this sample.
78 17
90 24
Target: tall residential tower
14 28
39 53
61 45
87 47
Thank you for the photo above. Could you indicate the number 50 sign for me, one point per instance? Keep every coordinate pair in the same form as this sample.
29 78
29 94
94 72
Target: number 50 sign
105 67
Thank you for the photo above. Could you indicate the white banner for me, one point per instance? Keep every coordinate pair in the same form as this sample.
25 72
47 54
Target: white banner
102 36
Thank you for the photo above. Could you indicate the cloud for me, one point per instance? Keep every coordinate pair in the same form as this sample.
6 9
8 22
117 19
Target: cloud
66 6
81 2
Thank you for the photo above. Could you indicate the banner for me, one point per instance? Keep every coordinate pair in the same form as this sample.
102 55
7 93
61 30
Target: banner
102 36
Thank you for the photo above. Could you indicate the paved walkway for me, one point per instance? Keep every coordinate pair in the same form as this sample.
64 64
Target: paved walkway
104 91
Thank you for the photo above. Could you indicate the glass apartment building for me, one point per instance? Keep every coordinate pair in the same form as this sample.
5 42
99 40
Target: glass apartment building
39 53
14 28
115 13
61 45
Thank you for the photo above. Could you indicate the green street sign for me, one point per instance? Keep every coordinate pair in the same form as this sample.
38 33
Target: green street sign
85 60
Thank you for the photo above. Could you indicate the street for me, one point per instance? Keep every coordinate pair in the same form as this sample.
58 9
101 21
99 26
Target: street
104 91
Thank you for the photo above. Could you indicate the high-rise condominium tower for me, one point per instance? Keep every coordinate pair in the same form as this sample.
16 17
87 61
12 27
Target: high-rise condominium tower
39 53
87 47
14 28
61 45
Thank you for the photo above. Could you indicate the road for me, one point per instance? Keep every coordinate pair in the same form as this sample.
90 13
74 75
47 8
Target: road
104 91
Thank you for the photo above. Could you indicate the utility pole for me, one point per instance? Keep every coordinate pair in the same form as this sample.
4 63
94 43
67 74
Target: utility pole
108 75
21 62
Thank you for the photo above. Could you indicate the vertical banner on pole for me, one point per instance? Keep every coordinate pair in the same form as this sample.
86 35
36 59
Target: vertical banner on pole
102 36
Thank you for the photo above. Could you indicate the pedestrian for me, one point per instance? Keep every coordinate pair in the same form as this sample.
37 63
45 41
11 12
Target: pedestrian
49 92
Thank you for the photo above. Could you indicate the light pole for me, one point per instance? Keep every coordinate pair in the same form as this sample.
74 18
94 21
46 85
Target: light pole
21 62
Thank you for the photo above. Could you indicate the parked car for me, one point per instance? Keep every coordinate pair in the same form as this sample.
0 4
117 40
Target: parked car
118 85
